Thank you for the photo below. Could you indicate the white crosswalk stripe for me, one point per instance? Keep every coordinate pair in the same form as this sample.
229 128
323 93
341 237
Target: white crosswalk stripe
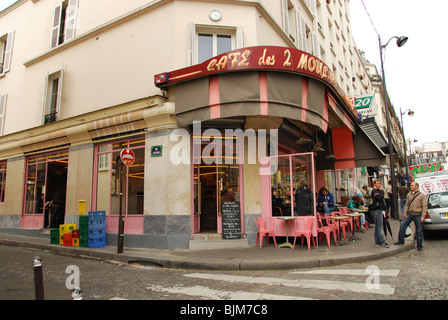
208 293
352 272
359 287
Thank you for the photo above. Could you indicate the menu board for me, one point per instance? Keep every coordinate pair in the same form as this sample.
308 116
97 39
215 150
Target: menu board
231 220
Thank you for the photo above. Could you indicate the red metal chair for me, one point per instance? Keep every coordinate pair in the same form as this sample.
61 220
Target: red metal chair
307 232
262 231
326 230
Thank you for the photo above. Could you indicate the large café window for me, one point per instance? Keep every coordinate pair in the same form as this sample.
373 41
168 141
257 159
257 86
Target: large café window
111 180
292 184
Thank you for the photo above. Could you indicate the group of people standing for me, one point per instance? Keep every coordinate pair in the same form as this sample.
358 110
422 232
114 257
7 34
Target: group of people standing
413 204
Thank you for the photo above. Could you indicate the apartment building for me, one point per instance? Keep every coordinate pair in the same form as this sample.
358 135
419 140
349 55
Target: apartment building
82 80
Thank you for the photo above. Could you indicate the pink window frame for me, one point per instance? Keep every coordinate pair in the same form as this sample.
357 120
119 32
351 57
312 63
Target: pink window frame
133 222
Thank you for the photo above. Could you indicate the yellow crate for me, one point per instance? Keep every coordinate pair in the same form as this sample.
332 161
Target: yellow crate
75 242
66 228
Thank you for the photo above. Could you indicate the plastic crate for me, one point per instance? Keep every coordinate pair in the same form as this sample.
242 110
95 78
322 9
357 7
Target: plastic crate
98 215
75 242
84 242
68 240
97 242
83 220
97 224
96 233
75 233
66 228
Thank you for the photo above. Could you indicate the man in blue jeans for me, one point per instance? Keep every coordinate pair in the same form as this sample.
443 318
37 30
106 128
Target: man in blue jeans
414 210
379 205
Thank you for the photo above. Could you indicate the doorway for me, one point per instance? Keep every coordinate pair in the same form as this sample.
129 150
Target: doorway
217 177
45 193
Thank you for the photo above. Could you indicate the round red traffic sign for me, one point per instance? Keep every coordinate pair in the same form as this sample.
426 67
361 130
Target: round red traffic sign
127 156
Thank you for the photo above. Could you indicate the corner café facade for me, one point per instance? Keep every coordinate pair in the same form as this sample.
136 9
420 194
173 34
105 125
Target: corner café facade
312 132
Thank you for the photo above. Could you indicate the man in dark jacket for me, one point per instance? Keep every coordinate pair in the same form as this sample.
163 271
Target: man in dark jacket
378 206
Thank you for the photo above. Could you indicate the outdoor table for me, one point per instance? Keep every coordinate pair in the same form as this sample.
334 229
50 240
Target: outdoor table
287 219
353 215
339 218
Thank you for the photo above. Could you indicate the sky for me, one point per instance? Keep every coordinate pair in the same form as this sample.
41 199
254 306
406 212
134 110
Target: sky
415 73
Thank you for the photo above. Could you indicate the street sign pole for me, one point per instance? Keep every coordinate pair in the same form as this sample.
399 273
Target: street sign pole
127 158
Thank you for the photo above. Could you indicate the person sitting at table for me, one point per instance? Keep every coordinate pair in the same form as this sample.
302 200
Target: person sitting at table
356 203
304 197
325 202
278 206
287 197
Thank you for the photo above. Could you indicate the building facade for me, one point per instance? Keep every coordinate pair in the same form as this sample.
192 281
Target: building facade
83 80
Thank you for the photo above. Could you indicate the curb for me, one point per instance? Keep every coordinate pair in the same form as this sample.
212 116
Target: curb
178 262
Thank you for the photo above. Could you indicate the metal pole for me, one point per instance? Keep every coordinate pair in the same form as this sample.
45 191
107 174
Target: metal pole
120 239
405 151
394 214
38 278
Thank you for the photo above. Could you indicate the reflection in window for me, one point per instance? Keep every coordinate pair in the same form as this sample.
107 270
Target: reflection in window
114 179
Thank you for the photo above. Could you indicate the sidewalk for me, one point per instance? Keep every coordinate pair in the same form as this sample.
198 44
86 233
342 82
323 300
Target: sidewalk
251 258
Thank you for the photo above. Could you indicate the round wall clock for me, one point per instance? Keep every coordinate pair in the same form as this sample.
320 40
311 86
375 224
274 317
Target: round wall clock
215 15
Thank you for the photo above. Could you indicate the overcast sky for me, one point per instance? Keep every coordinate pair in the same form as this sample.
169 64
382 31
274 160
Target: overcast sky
416 74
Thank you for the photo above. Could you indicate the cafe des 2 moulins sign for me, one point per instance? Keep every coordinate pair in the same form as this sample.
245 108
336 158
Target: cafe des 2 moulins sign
258 58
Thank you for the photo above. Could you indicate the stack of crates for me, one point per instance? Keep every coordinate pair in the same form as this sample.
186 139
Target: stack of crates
54 236
63 230
84 231
97 229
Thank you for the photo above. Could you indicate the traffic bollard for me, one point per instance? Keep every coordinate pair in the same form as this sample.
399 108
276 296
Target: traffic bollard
38 278
77 294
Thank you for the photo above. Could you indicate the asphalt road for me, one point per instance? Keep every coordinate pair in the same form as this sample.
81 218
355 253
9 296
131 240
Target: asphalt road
407 276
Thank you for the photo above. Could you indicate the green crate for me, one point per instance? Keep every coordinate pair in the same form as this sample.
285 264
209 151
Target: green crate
84 242
54 239
83 219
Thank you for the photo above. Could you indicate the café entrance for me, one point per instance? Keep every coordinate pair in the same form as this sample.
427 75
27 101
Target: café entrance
217 177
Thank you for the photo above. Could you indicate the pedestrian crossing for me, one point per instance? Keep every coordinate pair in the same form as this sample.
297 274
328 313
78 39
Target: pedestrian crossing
357 281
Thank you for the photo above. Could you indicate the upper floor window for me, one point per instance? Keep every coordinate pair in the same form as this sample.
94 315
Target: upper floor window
64 22
53 97
206 42
6 51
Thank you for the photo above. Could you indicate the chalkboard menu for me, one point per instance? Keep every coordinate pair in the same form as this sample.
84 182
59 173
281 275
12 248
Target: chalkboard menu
231 220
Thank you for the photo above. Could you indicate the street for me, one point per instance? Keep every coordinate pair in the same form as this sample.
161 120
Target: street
410 275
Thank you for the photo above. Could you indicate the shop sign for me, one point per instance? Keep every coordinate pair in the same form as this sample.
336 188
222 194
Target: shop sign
156 151
127 157
257 58
364 105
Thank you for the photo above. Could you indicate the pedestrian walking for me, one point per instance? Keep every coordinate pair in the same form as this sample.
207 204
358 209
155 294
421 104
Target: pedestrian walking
378 207
414 210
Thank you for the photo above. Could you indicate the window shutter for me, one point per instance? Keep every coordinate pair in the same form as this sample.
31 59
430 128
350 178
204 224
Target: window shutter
312 6
285 16
8 52
44 103
191 34
316 48
61 82
240 38
2 112
301 32
56 26
70 20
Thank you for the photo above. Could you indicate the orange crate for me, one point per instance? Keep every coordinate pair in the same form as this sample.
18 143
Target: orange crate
67 240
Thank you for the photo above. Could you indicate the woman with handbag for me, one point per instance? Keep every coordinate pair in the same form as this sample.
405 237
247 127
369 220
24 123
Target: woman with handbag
379 205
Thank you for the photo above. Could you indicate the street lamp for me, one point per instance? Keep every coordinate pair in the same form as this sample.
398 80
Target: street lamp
400 42
411 114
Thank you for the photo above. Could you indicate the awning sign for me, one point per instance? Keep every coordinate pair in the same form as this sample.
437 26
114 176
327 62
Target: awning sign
364 105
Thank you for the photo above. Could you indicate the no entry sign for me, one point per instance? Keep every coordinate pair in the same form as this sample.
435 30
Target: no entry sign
127 156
